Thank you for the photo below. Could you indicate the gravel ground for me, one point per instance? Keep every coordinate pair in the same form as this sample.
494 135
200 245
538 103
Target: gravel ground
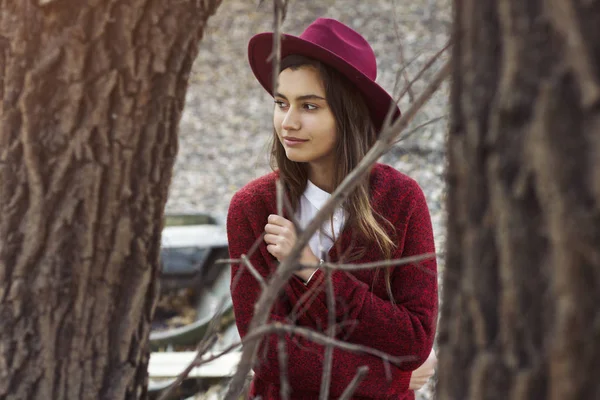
226 124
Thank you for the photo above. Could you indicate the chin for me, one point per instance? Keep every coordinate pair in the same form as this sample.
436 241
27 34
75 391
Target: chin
295 157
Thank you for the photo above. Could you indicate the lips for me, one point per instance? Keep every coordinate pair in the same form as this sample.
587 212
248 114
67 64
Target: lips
293 141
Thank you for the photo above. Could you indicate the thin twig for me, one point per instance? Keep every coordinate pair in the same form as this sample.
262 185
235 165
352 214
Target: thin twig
283 203
209 339
312 335
425 68
392 109
428 64
284 388
354 267
256 245
411 94
399 125
291 214
253 271
305 300
328 359
228 261
383 263
276 54
201 361
401 72
279 190
419 127
361 372
253 249
308 334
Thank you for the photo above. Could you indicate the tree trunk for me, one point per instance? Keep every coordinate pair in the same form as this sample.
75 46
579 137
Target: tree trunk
520 315
92 93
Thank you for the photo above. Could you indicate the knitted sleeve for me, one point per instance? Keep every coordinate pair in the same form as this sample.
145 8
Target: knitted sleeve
406 328
245 222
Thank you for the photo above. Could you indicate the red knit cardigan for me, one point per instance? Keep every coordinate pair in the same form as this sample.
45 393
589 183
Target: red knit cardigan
364 313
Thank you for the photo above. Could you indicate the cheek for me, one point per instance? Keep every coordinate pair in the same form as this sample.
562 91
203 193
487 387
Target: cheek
332 134
277 120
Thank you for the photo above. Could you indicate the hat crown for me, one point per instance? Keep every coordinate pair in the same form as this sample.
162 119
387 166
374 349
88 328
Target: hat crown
344 42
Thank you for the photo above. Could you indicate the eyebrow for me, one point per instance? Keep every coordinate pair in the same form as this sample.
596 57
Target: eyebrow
303 97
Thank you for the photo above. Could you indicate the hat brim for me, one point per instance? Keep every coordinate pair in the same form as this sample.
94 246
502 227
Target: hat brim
259 51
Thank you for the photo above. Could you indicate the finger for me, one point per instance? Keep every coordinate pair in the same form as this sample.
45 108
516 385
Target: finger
279 220
272 249
281 231
274 229
272 239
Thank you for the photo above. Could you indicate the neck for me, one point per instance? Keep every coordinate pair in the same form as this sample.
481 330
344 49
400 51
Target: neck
322 176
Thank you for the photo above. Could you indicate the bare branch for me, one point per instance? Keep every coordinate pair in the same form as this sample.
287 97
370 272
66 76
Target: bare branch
246 263
307 333
305 301
256 244
433 86
419 127
200 361
290 211
279 189
391 111
278 10
350 267
361 372
425 68
209 339
411 94
284 389
328 360
400 74
383 263
314 336
253 271
283 203
228 261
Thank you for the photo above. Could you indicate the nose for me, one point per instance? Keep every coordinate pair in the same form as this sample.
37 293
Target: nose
291 121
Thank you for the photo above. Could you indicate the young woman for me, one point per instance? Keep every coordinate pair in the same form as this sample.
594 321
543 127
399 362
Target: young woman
328 111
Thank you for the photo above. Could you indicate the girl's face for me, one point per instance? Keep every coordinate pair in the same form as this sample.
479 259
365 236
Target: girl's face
304 123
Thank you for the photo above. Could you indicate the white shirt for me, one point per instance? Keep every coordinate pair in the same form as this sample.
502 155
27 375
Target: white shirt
311 202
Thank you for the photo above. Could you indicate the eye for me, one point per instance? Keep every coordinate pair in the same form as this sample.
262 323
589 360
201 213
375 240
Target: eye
310 107
280 104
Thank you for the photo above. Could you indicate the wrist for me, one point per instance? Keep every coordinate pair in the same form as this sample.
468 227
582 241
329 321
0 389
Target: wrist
309 259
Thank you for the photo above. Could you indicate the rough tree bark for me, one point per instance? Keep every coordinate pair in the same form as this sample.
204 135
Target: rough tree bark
92 93
520 315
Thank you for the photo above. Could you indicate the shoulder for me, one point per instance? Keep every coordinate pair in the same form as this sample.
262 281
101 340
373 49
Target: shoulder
394 192
259 192
386 180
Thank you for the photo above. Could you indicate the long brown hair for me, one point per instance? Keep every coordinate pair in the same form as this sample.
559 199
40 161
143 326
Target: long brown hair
355 136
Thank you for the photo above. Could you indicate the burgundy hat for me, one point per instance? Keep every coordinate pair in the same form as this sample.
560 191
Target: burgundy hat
334 44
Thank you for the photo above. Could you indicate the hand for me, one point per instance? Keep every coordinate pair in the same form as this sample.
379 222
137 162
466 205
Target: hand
281 237
421 375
